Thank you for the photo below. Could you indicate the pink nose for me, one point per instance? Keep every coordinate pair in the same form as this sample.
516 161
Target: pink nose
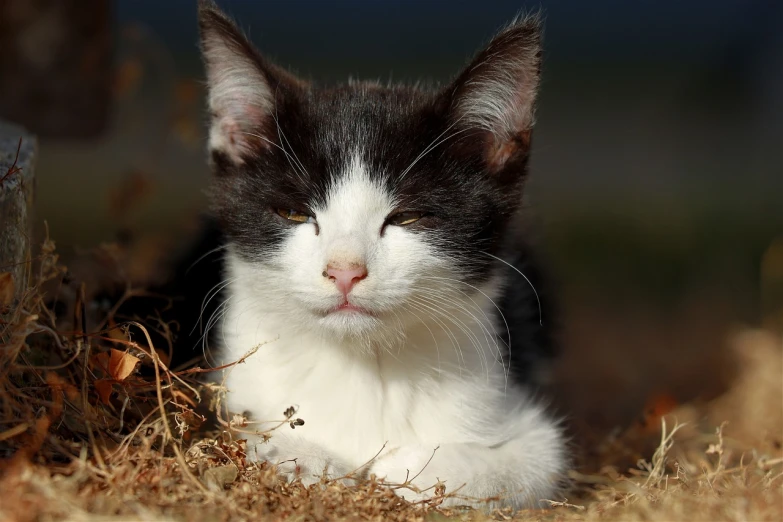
345 278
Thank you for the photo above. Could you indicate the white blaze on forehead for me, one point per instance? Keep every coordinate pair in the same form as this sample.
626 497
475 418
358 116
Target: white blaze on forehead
356 207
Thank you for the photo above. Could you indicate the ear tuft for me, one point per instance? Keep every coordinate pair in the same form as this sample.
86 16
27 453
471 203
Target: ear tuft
496 93
240 96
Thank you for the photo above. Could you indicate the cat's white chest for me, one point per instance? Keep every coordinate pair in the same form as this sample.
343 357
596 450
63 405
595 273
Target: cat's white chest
435 406
352 404
344 401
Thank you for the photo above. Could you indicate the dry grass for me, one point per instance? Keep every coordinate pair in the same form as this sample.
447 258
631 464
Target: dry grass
94 426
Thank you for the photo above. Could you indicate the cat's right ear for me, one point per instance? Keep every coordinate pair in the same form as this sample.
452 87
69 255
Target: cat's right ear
494 97
243 88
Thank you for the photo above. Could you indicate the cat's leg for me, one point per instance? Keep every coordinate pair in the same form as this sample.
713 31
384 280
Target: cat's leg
520 471
296 457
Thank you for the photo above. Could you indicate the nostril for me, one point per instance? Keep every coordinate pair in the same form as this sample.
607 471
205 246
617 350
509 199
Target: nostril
359 274
346 278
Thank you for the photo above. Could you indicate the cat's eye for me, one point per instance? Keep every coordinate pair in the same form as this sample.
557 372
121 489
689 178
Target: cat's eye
402 219
294 215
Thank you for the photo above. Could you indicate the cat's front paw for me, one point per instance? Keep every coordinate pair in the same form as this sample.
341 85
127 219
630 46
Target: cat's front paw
298 459
309 469
410 470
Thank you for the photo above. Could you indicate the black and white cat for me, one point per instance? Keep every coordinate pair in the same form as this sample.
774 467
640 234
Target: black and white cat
369 230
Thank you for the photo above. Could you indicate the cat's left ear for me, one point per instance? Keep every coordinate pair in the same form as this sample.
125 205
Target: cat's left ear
245 90
494 97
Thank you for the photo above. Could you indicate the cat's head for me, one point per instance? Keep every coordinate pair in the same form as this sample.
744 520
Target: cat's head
355 208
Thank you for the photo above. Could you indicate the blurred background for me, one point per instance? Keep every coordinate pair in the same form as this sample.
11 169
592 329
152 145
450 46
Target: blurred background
657 175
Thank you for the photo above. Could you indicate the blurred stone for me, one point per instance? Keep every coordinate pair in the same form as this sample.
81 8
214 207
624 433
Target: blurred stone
55 65
17 185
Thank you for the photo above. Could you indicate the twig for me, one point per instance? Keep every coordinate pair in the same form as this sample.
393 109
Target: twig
350 474
13 169
162 408
563 503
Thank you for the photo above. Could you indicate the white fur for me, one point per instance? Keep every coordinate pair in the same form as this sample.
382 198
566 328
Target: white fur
423 373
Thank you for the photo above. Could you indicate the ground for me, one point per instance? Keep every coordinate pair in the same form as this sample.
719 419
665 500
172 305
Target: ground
95 426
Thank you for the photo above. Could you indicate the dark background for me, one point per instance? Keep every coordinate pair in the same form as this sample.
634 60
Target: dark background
657 174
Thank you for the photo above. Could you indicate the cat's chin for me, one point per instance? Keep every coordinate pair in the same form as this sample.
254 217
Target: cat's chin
351 321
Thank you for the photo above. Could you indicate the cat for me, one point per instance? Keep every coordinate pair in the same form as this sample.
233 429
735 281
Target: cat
375 273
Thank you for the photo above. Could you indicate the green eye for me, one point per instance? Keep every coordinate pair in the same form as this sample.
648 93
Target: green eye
293 215
404 218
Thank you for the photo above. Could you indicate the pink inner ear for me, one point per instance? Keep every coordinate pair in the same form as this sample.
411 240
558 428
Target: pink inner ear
230 130
227 136
499 151
239 135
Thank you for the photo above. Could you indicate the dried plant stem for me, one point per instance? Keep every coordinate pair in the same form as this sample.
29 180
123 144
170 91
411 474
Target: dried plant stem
162 408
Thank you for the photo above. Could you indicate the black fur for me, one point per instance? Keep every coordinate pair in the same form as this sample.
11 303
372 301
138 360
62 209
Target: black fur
467 204
470 202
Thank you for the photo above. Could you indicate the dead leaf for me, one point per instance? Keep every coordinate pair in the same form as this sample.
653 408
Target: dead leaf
104 389
6 289
122 364
101 361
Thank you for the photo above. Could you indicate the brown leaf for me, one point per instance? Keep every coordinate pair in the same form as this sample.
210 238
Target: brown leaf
100 361
104 388
6 289
121 364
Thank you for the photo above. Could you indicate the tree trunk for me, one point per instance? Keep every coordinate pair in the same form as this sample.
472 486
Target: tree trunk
17 184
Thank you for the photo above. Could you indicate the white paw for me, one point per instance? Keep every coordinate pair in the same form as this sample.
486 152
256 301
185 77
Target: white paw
410 467
296 459
308 469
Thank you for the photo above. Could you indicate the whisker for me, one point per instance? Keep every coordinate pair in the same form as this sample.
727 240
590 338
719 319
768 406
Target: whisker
538 300
201 258
449 334
497 307
464 328
288 156
219 313
490 337
432 146
434 339
424 306
211 294
281 135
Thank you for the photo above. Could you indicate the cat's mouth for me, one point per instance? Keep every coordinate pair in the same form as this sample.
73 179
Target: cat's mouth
348 307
